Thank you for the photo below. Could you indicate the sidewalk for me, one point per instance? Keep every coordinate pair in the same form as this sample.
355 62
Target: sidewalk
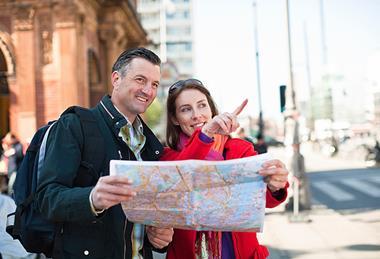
316 161
329 235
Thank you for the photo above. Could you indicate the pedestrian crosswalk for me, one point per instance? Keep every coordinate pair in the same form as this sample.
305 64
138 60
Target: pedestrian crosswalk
347 189
376 180
364 187
333 191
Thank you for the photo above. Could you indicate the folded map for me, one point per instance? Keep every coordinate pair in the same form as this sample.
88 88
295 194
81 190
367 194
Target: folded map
196 194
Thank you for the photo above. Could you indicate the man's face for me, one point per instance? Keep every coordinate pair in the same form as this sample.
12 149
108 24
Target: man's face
135 91
192 111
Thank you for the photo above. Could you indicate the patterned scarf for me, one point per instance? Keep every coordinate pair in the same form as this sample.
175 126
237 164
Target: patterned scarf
208 244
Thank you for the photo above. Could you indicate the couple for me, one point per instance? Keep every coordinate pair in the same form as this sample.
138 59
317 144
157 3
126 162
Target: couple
94 225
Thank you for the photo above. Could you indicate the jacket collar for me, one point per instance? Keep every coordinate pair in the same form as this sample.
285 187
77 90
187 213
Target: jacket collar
114 117
116 121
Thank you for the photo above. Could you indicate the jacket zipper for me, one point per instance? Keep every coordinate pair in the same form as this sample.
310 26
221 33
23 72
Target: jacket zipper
125 222
125 228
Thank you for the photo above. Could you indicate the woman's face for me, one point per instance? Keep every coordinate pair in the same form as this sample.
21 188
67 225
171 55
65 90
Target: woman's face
192 111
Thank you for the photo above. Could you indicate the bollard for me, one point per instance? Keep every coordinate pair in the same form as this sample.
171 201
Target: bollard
298 217
296 185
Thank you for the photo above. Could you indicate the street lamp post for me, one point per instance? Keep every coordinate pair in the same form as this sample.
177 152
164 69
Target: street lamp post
261 120
297 164
290 93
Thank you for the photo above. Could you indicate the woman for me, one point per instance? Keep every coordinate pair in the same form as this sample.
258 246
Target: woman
196 131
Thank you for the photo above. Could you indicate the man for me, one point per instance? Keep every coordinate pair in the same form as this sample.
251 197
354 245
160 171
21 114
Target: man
94 225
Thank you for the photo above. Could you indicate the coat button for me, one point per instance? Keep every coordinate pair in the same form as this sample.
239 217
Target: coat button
86 252
157 152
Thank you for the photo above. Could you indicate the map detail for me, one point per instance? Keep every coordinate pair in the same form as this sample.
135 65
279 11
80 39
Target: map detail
196 194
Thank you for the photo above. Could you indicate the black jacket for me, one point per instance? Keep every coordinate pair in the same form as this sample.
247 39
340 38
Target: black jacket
84 235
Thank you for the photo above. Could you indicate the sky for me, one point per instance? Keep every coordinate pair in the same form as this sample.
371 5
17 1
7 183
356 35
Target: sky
224 44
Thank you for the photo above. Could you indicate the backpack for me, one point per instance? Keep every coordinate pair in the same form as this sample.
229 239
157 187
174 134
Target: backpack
36 233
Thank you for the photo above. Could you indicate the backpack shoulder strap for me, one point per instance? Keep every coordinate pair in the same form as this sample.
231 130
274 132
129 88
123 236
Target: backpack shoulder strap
41 153
93 153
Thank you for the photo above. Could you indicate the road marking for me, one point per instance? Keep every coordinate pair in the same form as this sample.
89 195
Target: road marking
374 179
333 191
363 187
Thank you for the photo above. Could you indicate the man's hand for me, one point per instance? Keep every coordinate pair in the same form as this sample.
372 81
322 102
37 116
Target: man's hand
159 237
111 190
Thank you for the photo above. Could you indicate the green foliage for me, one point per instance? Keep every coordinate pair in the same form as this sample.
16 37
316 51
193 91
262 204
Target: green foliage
153 114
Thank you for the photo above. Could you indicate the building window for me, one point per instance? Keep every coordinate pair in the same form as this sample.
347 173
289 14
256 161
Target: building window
150 17
3 75
178 15
96 89
188 64
179 47
146 1
93 68
46 38
178 30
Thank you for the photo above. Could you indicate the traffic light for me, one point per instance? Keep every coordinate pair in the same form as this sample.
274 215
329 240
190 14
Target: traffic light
282 97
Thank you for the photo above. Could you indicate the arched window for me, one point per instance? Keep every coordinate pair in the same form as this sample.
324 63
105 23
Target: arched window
4 96
94 78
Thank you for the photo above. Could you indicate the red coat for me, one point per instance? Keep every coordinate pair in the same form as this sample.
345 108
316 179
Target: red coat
245 244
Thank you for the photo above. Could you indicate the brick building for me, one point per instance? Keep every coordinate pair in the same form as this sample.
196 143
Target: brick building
57 53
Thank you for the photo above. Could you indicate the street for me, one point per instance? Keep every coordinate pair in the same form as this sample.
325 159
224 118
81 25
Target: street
344 219
349 190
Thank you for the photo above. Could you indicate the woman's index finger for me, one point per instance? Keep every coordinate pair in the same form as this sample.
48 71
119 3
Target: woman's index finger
238 110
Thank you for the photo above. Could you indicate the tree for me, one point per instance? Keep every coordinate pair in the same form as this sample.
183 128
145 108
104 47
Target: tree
153 114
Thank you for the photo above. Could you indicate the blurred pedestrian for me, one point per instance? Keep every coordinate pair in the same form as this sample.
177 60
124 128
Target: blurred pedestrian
241 134
195 130
12 157
9 247
3 172
260 146
334 146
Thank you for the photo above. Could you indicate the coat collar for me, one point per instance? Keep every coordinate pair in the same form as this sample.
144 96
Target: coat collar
115 120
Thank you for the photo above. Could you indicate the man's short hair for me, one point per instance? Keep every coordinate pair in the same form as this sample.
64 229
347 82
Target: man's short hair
128 55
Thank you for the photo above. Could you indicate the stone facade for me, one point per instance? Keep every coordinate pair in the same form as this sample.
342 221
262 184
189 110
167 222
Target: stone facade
57 53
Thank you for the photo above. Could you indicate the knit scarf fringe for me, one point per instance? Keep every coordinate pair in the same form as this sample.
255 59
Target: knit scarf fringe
208 245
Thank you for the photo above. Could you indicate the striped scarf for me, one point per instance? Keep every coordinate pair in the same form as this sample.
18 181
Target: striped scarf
208 244
132 135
